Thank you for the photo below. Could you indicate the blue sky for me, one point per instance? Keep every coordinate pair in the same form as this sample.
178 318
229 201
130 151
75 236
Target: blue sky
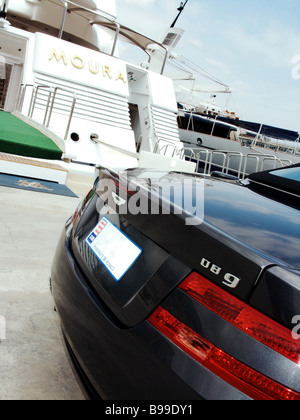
251 46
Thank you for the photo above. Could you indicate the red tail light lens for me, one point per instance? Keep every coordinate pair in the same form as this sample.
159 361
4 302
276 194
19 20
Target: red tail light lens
243 316
247 380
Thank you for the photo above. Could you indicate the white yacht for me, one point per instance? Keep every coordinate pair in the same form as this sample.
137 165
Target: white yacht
220 144
207 129
61 75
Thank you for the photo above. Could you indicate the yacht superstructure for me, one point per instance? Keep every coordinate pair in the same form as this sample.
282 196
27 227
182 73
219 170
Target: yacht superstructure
63 76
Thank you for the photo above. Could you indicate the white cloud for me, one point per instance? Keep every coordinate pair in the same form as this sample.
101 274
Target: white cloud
197 43
274 44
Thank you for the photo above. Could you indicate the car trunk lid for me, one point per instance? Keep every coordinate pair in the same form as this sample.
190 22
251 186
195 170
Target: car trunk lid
170 247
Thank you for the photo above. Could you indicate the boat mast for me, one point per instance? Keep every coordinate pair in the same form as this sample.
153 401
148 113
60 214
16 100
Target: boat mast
180 9
3 9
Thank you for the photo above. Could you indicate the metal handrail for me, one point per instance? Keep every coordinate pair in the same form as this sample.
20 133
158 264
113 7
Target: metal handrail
49 106
21 96
61 30
206 157
111 21
34 98
52 106
96 12
119 149
168 144
246 161
238 155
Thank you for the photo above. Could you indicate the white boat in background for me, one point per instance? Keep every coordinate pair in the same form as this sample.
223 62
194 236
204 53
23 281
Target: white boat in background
207 129
63 76
228 146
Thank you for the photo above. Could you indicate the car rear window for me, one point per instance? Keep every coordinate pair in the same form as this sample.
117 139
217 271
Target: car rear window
293 174
287 180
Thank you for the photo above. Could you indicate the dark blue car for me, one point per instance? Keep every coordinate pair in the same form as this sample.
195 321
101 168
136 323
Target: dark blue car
183 287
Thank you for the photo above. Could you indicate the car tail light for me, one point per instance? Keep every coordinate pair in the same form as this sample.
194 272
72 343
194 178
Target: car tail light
243 316
242 377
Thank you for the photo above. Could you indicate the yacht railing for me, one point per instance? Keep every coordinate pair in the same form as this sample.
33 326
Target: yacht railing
168 148
98 12
108 21
232 162
49 105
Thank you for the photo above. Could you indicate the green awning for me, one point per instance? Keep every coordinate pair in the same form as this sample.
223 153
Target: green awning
19 138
